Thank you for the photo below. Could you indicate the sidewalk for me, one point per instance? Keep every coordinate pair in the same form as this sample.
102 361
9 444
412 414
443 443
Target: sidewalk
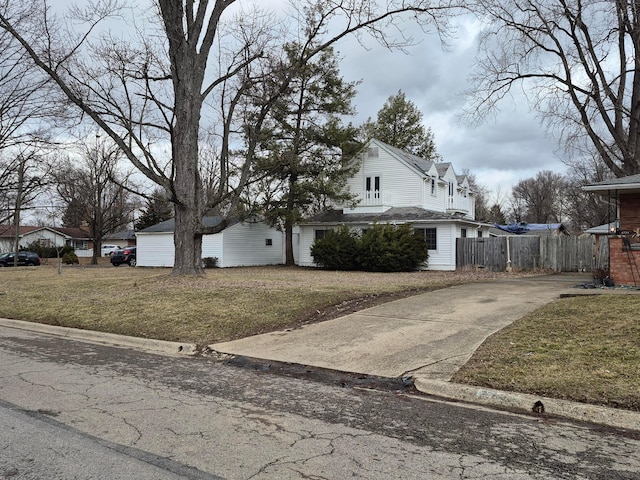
428 337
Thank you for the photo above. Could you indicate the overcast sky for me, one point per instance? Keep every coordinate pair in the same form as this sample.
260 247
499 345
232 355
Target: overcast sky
500 152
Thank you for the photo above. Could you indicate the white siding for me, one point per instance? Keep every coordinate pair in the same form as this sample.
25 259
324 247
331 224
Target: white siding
444 258
246 245
307 237
441 259
155 250
400 186
242 244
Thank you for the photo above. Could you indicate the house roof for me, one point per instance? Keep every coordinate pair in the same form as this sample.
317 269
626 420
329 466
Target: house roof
122 235
602 229
628 184
168 226
68 232
396 214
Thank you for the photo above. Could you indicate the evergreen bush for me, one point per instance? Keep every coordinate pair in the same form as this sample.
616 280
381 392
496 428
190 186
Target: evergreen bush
338 250
70 258
48 252
383 248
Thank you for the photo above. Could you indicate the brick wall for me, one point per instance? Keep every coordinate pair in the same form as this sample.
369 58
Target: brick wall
630 211
623 264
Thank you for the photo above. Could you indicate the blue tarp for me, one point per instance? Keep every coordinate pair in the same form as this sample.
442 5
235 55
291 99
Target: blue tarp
521 228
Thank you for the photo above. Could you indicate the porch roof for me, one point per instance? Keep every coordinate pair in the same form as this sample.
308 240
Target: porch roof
628 184
396 214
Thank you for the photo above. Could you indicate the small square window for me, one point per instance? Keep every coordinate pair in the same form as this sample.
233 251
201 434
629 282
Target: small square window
319 234
268 242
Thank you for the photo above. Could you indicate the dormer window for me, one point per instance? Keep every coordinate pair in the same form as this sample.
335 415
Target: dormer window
452 189
433 186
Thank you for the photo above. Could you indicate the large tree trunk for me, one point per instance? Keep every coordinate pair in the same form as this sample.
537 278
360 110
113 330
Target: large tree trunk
187 240
288 221
188 195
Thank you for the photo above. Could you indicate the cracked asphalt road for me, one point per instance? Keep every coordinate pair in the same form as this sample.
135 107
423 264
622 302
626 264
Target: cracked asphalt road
199 417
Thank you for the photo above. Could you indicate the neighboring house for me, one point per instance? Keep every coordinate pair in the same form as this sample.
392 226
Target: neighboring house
624 229
393 186
247 243
124 238
47 237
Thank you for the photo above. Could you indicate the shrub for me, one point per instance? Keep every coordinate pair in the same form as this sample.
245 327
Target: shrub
338 250
48 252
383 248
70 258
210 262
390 248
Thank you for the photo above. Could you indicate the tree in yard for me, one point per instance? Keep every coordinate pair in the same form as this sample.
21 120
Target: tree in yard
585 210
540 199
303 140
399 123
95 192
162 86
496 215
25 110
158 209
579 63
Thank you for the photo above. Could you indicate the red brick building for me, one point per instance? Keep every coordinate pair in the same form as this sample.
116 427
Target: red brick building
624 238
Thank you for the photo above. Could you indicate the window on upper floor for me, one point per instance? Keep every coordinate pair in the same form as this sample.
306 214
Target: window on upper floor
452 189
372 187
433 186
430 236
373 152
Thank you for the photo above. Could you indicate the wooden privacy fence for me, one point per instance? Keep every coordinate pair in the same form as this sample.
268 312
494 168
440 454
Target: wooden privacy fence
528 252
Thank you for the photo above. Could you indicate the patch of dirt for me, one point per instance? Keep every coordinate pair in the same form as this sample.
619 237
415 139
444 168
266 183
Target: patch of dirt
355 305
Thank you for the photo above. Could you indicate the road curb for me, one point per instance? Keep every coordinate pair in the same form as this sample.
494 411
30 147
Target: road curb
610 417
112 339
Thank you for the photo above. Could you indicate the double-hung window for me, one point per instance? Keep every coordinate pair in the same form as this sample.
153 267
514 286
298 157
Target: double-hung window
430 236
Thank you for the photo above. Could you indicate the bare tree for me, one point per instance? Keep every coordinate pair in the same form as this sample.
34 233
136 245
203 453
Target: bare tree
585 210
540 199
95 193
155 87
579 64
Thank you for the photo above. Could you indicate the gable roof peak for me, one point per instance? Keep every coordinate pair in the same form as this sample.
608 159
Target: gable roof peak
420 164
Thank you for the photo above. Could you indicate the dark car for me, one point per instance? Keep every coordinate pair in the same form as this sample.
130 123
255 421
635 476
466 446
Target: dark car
124 255
30 259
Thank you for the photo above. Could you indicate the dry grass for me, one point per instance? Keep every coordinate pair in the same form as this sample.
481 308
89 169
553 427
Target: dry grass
223 304
585 349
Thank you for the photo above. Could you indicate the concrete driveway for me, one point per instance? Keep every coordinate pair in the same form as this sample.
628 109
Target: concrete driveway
425 336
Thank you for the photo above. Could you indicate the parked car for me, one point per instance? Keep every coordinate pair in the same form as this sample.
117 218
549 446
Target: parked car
30 259
107 250
125 255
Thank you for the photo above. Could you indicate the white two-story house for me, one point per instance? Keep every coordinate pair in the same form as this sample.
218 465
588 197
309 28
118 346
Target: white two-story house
393 186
